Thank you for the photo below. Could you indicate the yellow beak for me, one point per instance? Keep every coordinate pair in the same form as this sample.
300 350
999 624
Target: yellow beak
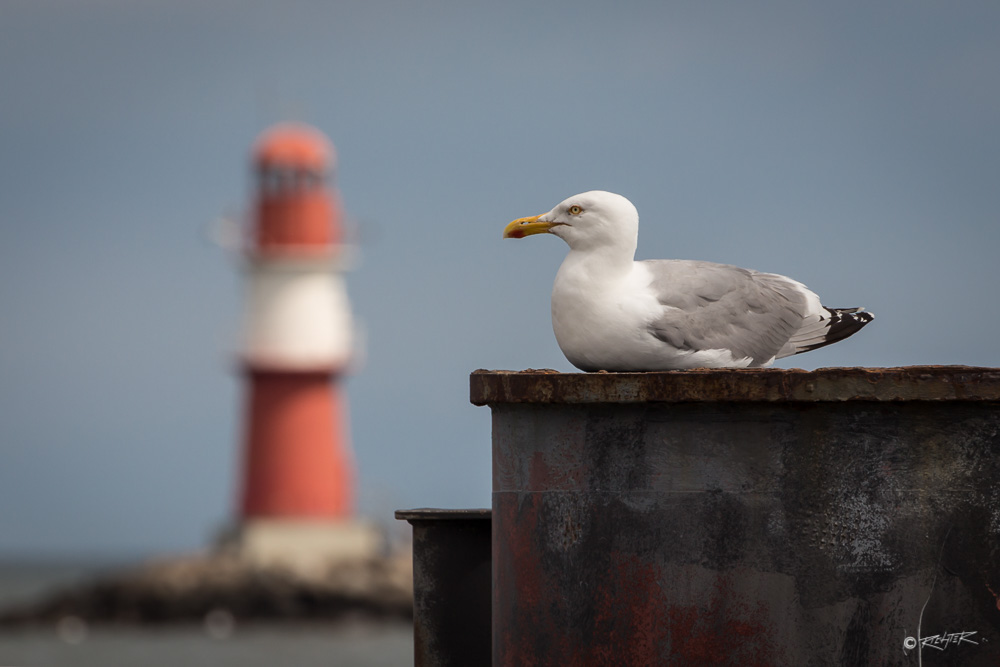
526 227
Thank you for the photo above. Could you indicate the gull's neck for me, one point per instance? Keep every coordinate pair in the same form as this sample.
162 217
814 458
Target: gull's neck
606 261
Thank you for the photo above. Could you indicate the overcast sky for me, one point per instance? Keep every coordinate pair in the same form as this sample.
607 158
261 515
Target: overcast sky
854 146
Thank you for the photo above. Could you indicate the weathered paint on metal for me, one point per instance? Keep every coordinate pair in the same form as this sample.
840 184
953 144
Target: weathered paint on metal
451 586
653 522
911 383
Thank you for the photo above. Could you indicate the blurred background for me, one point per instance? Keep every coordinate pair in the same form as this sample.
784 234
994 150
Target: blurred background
852 146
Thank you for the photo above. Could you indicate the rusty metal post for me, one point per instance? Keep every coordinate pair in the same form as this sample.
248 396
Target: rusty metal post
451 586
750 517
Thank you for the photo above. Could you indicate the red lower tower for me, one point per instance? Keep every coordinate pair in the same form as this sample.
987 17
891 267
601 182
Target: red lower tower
297 460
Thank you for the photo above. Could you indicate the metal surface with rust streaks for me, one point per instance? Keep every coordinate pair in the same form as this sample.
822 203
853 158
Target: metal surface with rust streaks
910 383
641 519
451 586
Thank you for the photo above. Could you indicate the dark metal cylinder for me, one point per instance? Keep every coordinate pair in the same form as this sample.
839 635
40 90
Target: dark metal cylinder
451 586
751 517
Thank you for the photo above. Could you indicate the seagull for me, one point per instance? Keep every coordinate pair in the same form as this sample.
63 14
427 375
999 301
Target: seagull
612 313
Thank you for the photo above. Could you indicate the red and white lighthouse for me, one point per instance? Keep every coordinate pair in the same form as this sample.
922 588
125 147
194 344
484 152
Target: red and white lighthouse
297 486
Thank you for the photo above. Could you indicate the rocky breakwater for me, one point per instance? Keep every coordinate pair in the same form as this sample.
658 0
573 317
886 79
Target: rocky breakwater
221 588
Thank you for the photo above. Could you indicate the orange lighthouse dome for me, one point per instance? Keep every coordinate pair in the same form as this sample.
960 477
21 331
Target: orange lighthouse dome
294 145
296 212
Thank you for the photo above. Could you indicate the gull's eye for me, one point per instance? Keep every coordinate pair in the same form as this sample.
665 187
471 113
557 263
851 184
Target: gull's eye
575 210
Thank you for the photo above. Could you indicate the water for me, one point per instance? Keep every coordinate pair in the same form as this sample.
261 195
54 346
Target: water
348 644
351 646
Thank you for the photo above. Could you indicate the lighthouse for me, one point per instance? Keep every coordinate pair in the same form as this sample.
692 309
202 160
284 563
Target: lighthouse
297 484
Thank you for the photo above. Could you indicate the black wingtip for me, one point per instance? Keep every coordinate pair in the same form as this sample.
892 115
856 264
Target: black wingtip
844 322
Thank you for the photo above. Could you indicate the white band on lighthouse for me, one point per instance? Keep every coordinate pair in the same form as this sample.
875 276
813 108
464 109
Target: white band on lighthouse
298 316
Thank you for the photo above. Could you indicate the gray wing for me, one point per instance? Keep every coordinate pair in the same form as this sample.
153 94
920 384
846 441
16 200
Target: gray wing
717 306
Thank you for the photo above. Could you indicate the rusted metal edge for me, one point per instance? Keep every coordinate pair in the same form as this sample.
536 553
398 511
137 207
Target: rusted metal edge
434 514
908 383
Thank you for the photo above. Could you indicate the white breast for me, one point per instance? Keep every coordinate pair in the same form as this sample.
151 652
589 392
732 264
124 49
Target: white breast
601 322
